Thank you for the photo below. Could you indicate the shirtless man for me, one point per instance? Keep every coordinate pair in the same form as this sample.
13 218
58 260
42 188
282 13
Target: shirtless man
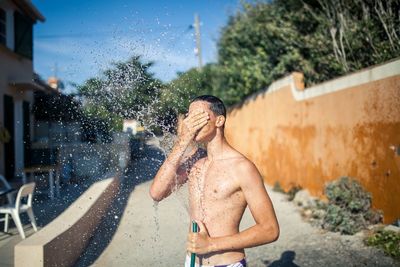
222 182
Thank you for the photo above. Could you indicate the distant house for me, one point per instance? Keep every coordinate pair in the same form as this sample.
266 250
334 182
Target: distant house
130 126
17 81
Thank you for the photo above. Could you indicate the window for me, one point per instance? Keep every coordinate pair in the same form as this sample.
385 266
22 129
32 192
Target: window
23 35
2 26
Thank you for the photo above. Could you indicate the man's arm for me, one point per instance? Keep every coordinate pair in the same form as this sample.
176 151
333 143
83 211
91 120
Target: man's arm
172 172
266 229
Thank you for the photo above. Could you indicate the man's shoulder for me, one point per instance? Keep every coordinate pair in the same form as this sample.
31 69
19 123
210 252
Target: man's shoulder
239 164
243 167
244 163
239 158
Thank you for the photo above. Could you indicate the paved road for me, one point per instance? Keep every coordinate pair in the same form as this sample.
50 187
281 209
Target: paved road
143 234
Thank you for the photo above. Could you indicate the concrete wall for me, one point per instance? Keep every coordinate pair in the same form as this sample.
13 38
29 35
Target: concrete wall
93 160
62 241
349 126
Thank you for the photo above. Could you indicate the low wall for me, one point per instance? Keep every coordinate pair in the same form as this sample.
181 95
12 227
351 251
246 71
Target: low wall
62 241
306 137
91 160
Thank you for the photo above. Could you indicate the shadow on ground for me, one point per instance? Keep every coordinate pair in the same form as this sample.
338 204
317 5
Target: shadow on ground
286 260
142 168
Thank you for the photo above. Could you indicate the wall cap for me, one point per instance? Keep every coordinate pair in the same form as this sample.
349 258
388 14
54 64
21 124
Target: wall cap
296 82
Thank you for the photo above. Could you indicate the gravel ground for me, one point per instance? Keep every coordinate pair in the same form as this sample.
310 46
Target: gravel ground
301 244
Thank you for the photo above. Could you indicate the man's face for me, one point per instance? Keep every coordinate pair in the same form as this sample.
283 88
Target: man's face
208 131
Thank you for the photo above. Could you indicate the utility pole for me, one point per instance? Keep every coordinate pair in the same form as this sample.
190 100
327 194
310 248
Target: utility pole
55 69
198 40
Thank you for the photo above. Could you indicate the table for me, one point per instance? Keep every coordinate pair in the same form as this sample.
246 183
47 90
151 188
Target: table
52 170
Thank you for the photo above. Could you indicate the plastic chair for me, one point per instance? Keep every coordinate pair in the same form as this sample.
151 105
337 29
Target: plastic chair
19 207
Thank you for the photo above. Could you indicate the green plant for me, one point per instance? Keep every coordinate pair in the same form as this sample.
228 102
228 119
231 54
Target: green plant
388 241
277 187
349 207
292 192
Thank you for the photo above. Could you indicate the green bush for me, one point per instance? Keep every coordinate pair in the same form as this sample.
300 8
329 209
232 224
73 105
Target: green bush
292 192
349 207
387 240
278 188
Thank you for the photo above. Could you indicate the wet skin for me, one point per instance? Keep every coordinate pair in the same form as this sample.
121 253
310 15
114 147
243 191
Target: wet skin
217 201
221 185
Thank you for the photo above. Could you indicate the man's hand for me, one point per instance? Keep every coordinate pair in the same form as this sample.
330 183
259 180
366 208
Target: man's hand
166 178
191 125
199 243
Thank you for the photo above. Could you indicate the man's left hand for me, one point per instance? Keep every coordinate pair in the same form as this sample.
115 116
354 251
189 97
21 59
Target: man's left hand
199 243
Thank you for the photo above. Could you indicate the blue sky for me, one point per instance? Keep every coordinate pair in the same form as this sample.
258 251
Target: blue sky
82 38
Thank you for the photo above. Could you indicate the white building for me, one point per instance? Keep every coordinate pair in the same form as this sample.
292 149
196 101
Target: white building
130 126
17 81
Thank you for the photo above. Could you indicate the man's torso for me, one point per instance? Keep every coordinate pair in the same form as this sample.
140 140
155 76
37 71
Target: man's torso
216 199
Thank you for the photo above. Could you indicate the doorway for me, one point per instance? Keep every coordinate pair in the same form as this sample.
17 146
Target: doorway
27 132
9 148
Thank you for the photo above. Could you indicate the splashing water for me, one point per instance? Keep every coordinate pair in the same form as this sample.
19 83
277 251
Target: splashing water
86 153
156 220
157 238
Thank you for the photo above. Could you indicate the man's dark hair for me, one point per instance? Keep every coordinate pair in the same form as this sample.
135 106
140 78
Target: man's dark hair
216 104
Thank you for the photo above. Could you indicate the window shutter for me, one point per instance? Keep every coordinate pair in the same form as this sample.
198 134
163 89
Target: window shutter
2 26
23 33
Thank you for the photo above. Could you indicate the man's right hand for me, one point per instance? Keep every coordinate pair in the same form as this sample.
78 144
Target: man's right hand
166 178
191 125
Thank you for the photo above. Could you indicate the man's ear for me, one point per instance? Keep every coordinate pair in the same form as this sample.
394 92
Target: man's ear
220 121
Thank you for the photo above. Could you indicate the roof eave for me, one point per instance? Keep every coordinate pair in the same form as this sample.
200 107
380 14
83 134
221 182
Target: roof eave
30 9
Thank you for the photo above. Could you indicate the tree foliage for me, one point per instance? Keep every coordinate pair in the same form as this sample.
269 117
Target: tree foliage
266 40
194 82
121 92
262 42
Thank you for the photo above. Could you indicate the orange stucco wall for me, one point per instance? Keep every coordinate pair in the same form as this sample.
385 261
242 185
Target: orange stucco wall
309 142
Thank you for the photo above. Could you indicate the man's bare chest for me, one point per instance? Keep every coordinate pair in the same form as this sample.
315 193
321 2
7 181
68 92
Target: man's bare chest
212 183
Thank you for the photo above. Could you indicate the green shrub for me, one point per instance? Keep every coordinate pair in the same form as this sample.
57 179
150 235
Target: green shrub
292 192
388 241
277 187
349 207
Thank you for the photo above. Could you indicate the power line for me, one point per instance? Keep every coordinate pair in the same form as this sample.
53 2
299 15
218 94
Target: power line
105 33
